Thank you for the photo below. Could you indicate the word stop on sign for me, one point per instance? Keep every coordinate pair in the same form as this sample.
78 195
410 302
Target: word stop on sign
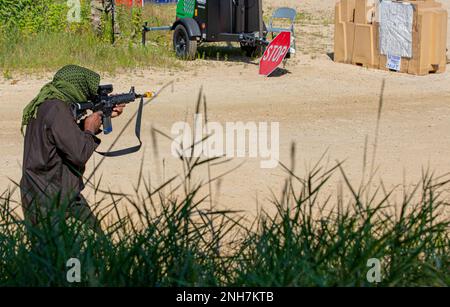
275 53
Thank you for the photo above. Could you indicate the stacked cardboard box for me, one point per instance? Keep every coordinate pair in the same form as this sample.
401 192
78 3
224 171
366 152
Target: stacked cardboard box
356 38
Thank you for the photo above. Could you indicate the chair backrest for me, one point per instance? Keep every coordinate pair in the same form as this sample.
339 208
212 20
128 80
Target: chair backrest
285 12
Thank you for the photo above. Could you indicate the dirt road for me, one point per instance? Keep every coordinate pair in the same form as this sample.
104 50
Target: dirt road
321 107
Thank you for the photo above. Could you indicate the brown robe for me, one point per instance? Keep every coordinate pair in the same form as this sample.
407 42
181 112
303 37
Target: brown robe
55 153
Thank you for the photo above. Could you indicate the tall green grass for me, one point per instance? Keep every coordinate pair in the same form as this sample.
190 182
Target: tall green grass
328 243
174 238
46 52
172 235
37 37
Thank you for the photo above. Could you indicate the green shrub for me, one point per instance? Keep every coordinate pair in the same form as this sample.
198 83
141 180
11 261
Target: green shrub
33 16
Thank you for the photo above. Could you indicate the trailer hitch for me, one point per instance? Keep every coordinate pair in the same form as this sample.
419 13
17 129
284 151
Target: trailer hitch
146 28
252 40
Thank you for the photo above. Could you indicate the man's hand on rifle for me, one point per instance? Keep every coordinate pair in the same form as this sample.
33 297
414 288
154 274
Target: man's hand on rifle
93 122
118 110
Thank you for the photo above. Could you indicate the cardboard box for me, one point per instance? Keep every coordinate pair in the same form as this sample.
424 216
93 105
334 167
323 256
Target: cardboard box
339 36
363 8
344 38
425 3
365 46
340 51
357 38
344 31
404 67
347 13
429 41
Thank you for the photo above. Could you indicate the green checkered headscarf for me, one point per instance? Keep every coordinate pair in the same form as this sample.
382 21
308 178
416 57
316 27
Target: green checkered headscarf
71 84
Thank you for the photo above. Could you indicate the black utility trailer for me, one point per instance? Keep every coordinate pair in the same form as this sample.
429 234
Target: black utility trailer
199 21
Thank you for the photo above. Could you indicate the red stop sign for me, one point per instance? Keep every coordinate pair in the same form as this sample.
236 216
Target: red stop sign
275 53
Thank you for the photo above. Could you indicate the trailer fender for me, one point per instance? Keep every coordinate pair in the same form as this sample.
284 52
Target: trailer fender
191 27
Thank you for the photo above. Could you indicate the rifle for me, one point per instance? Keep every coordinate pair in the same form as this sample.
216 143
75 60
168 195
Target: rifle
106 103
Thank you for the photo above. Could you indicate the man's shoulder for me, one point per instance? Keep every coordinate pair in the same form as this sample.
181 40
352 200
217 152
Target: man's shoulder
52 108
53 105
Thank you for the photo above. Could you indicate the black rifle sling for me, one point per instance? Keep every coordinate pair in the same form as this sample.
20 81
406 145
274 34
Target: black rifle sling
137 130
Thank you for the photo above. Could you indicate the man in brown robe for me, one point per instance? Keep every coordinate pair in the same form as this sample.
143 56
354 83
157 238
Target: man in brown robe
56 148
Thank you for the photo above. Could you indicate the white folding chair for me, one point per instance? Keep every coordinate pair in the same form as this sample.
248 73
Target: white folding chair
284 13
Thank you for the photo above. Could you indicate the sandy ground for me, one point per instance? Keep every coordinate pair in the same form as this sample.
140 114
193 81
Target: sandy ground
322 107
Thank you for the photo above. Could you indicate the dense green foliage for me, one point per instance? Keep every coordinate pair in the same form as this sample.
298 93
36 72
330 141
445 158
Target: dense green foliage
33 16
36 35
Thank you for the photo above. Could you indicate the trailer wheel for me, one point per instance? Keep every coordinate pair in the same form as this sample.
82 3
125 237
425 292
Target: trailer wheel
252 51
184 47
